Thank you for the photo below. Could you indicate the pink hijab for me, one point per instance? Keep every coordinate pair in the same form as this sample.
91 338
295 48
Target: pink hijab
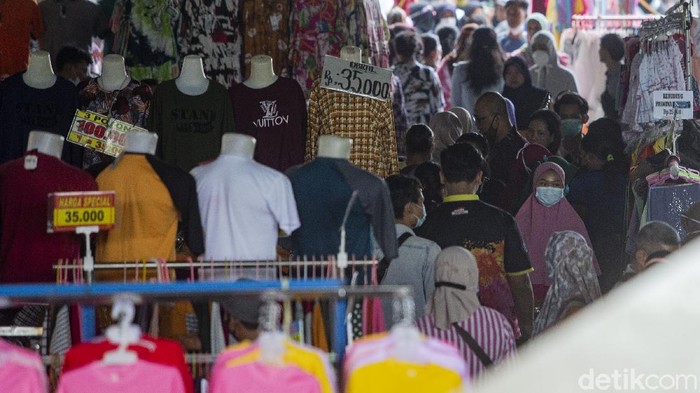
538 223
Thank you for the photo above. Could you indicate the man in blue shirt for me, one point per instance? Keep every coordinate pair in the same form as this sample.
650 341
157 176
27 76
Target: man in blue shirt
516 36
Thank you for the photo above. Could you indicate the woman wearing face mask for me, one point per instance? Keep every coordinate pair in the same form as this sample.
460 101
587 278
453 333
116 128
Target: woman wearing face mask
547 73
545 212
544 129
519 89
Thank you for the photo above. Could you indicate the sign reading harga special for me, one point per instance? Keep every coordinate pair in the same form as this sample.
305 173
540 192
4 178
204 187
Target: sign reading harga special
356 78
69 210
99 132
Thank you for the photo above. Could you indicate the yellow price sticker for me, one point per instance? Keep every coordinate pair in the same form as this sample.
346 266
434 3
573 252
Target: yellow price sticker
83 217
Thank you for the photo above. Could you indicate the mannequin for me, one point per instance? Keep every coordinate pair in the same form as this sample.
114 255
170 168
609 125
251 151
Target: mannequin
39 74
46 142
192 80
238 145
114 76
262 74
330 146
351 53
141 143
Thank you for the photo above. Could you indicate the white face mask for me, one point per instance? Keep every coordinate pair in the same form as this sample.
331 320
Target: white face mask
540 57
549 196
516 30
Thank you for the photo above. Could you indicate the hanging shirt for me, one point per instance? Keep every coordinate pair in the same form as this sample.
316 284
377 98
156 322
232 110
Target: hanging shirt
368 28
368 122
139 377
27 251
276 117
322 190
154 350
71 23
266 25
190 128
24 109
152 199
21 370
243 206
21 22
211 29
130 104
422 91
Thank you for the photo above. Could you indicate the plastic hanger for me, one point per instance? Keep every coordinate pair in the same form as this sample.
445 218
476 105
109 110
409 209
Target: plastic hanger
406 337
271 340
124 333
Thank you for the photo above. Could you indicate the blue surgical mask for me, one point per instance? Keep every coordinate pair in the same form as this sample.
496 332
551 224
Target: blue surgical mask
421 220
571 127
549 196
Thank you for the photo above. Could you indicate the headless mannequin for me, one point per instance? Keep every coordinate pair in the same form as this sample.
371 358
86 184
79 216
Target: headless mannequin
192 80
351 53
39 74
45 142
261 72
238 145
141 143
114 76
330 146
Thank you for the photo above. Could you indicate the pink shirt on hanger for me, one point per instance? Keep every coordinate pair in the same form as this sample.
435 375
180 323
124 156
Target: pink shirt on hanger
140 377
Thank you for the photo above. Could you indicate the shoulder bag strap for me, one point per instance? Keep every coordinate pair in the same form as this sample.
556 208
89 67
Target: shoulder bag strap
473 345
383 265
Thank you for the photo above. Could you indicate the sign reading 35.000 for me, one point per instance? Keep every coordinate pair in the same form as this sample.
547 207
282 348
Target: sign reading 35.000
356 78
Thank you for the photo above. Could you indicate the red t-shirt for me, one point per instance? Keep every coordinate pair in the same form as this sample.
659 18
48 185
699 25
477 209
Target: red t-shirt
166 352
21 20
27 251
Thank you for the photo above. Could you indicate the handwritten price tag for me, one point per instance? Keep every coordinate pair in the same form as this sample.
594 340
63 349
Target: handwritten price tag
356 78
69 210
100 133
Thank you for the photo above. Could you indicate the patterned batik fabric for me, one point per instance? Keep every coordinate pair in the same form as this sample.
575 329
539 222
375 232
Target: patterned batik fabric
422 91
145 35
266 32
367 121
211 29
368 28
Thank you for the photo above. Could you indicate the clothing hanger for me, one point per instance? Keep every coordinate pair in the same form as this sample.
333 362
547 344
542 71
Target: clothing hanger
407 338
271 340
124 333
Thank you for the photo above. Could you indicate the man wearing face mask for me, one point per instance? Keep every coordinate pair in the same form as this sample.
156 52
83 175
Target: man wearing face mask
491 115
547 73
573 110
415 265
516 36
73 64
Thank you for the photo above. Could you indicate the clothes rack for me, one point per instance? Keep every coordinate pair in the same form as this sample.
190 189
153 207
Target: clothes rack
610 21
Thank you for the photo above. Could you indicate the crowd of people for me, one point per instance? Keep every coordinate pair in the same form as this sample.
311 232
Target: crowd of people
510 203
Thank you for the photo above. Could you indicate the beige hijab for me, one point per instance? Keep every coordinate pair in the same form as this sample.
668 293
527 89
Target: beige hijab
456 286
446 128
464 117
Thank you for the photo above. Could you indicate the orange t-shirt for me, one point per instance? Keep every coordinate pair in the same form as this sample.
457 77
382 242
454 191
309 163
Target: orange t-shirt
19 20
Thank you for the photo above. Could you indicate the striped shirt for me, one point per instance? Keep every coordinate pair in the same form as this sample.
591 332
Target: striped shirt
487 326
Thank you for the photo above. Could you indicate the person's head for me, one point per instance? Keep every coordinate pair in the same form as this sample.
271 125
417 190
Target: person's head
499 12
491 117
448 38
432 51
447 128
73 64
456 287
573 111
544 52
242 316
396 15
516 74
464 41
655 239
485 60
423 16
544 128
463 165
516 10
429 175
407 200
464 117
548 182
603 145
535 23
406 46
612 49
419 140
477 140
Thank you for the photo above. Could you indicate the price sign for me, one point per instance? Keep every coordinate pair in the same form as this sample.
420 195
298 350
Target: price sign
100 133
70 210
672 105
356 78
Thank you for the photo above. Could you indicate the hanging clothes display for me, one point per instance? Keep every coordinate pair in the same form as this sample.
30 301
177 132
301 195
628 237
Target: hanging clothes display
369 31
265 27
211 29
276 117
21 22
145 36
582 47
21 370
367 121
130 104
189 127
71 23
27 251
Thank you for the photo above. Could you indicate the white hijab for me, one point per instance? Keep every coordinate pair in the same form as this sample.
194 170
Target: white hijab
456 286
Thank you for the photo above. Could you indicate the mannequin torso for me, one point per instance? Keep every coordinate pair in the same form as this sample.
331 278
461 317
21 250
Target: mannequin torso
261 72
238 145
330 146
141 143
114 76
39 74
45 142
192 80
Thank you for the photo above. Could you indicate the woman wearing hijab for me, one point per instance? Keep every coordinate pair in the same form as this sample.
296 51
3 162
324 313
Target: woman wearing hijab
446 128
570 267
454 310
519 89
527 159
547 73
545 212
535 23
465 118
